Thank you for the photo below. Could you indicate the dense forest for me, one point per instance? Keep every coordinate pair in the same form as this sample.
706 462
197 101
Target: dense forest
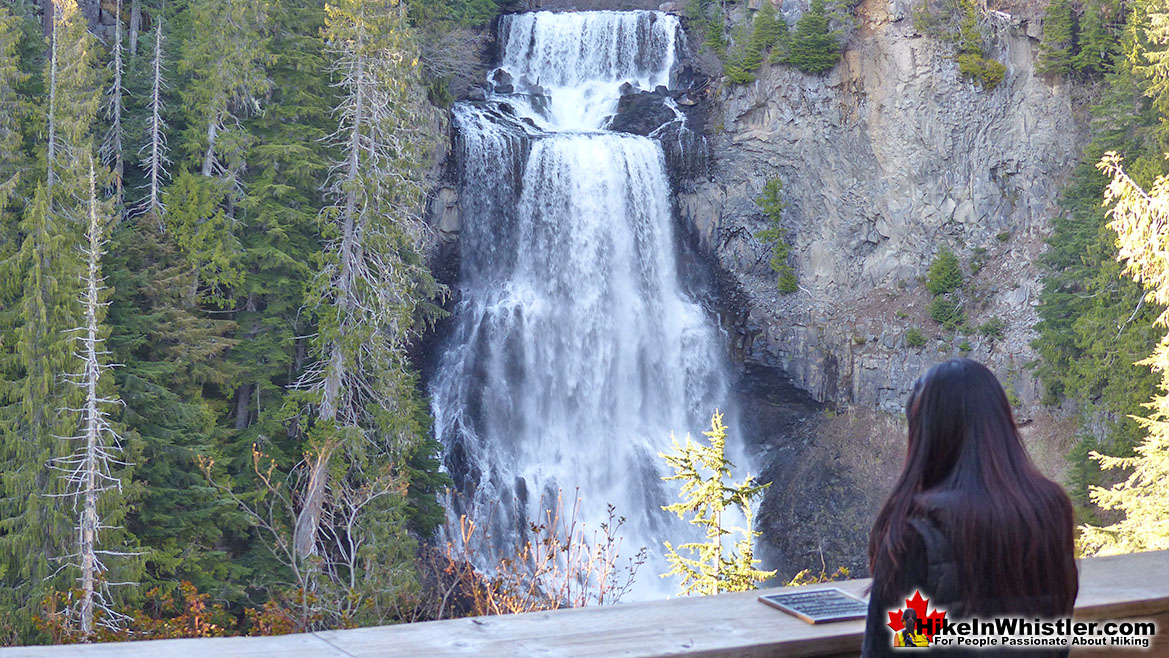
211 257
213 281
1095 324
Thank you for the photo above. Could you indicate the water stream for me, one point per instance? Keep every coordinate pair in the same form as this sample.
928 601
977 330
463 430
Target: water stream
574 350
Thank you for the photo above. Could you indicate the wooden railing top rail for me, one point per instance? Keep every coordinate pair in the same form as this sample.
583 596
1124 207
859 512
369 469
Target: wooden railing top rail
1119 587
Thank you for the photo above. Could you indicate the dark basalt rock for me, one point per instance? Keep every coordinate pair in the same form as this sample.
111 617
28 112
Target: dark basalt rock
503 82
501 77
642 113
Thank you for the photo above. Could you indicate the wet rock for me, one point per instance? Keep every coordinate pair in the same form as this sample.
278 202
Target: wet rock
503 82
642 113
476 93
502 77
445 214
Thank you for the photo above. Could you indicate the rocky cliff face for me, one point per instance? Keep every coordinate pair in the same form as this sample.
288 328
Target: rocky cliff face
886 159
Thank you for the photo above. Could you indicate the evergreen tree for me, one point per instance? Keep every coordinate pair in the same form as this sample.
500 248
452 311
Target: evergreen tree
1057 49
1138 217
945 273
768 30
366 297
1098 45
772 203
223 56
171 354
814 47
74 97
11 77
1094 323
281 240
703 471
735 64
35 526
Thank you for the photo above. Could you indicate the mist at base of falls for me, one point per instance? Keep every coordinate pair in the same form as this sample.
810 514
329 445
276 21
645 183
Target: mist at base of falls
574 350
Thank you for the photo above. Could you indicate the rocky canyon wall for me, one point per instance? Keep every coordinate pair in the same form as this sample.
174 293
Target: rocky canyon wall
886 159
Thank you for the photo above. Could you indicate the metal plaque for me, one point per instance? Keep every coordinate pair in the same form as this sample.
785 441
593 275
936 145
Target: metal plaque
818 606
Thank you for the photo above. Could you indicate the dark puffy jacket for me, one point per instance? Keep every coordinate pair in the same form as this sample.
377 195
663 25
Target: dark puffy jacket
931 566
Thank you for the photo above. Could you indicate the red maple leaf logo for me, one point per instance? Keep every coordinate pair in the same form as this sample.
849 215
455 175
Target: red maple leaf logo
929 623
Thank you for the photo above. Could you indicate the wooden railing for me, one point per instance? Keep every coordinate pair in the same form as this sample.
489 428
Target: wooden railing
1122 587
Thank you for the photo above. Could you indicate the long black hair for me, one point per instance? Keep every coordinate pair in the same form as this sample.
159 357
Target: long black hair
1011 529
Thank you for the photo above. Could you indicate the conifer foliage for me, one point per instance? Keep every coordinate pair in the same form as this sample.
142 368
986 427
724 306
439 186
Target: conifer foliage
708 498
210 251
814 47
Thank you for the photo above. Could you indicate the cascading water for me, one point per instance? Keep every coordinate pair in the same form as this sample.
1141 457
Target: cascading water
574 351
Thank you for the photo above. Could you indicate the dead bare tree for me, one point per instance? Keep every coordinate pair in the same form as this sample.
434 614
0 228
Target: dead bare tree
51 149
111 147
339 598
367 294
156 148
136 24
88 470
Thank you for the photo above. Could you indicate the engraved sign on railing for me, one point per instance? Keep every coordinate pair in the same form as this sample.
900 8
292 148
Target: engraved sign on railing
819 606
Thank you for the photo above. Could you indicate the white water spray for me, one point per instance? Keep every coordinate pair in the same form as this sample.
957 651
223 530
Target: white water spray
574 350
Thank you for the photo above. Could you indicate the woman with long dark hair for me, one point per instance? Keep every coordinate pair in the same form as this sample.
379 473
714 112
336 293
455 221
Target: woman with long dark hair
971 522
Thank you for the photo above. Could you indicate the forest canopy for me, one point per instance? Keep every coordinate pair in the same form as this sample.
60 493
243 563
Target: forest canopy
211 270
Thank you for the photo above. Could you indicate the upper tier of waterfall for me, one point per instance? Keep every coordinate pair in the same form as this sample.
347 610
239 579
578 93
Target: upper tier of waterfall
565 70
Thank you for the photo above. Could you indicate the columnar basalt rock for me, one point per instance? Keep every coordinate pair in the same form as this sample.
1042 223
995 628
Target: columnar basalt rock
885 159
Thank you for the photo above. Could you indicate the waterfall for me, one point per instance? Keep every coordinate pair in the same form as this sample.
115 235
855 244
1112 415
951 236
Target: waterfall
573 351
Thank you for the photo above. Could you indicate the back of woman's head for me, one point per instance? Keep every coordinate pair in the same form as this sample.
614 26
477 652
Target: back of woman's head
1011 529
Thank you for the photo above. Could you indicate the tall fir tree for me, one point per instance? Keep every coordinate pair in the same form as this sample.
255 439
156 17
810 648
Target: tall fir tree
1058 46
35 525
370 291
1098 44
11 77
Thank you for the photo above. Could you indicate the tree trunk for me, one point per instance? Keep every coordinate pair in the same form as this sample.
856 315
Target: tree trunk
47 7
136 24
51 153
89 523
309 518
157 145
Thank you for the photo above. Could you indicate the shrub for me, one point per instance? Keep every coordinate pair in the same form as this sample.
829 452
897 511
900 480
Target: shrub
914 337
989 72
965 348
947 311
993 328
771 202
